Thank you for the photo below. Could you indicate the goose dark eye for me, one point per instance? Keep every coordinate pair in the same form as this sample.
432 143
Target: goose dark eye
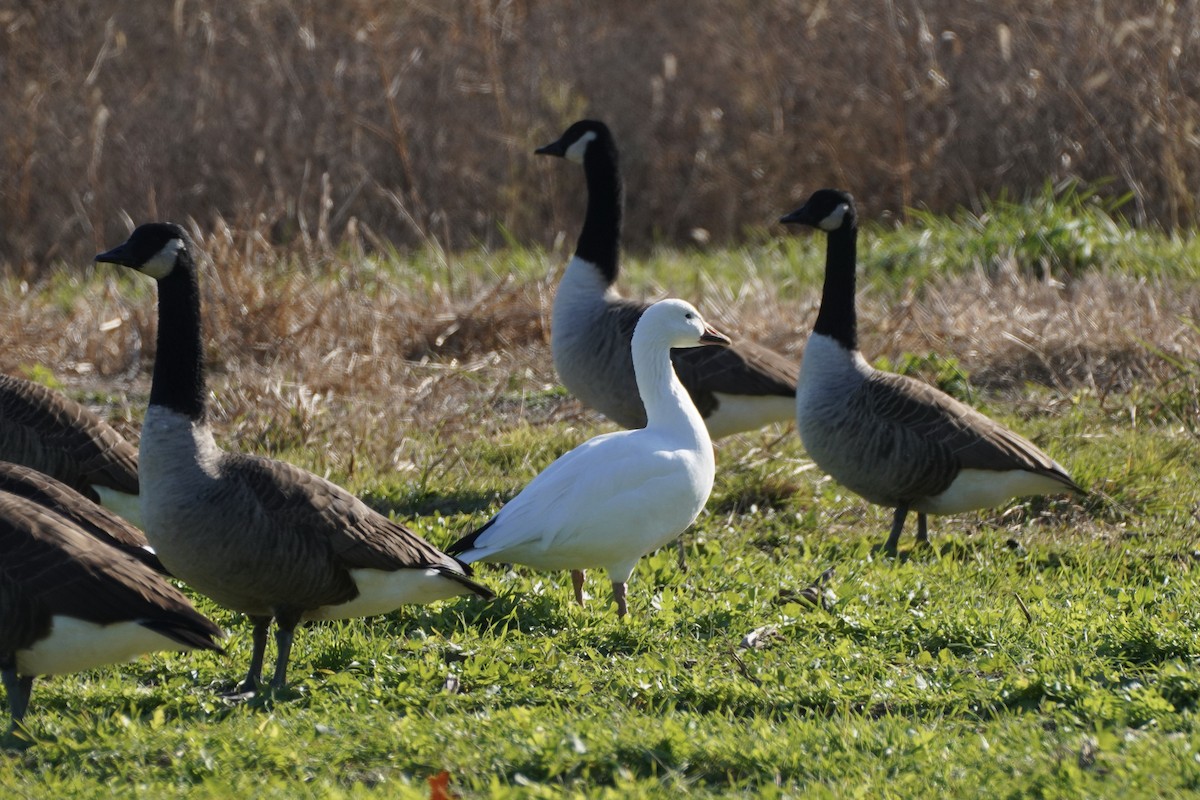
690 315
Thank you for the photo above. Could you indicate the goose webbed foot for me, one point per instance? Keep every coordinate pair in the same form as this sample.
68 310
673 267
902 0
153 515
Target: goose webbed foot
577 577
619 588
892 545
922 528
19 689
251 684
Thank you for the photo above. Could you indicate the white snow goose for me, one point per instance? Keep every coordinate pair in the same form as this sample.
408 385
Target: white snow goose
620 495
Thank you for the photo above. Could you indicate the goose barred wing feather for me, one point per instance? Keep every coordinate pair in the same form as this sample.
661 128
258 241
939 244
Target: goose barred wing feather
948 434
92 518
54 434
306 507
55 568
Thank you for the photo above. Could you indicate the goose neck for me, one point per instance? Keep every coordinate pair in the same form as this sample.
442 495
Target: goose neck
837 317
178 382
667 402
600 240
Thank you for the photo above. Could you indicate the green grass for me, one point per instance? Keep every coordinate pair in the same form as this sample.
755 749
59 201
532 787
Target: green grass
907 677
1049 648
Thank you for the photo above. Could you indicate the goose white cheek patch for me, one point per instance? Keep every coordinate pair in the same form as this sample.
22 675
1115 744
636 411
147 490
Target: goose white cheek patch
162 262
579 147
834 220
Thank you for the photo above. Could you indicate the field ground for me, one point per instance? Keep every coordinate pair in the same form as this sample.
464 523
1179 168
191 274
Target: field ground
1048 648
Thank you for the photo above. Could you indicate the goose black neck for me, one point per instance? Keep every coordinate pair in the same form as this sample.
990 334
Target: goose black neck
600 240
836 318
179 364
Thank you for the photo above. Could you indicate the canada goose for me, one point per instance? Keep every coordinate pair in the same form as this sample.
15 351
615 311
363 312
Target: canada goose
620 495
737 388
51 433
257 535
69 602
896 441
93 519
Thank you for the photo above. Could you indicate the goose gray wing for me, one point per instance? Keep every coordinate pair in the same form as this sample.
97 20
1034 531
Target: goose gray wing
915 424
52 567
324 519
93 519
55 435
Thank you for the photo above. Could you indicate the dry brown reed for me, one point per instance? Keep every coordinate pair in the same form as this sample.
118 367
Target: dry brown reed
413 123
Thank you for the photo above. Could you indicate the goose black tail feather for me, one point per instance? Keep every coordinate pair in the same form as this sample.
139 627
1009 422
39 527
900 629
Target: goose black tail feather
467 542
465 580
199 633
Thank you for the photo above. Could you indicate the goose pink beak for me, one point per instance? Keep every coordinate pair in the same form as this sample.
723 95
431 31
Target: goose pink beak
713 336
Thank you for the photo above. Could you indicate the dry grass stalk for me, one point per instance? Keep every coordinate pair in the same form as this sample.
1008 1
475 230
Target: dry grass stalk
368 122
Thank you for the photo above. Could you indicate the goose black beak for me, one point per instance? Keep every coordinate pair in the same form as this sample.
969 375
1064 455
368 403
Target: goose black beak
797 217
553 149
714 336
119 255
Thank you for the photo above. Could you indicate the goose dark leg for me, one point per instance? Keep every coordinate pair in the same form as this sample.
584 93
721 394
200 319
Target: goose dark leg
893 541
19 688
577 582
681 553
259 641
619 596
285 627
922 528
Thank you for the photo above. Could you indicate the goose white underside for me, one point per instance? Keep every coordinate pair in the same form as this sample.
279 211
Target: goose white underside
980 488
578 554
380 592
126 506
736 413
74 645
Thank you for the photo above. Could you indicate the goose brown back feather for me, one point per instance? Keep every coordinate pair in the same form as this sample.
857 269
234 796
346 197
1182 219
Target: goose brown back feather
43 429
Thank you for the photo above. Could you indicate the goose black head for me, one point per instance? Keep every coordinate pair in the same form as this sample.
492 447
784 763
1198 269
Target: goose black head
153 249
578 139
828 209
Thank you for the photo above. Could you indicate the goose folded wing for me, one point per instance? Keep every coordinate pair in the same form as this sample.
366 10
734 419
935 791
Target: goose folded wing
954 431
744 368
320 514
59 424
586 488
63 571
65 501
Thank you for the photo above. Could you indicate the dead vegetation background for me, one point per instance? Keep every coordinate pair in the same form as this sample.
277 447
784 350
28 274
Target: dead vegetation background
408 123
297 137
397 380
